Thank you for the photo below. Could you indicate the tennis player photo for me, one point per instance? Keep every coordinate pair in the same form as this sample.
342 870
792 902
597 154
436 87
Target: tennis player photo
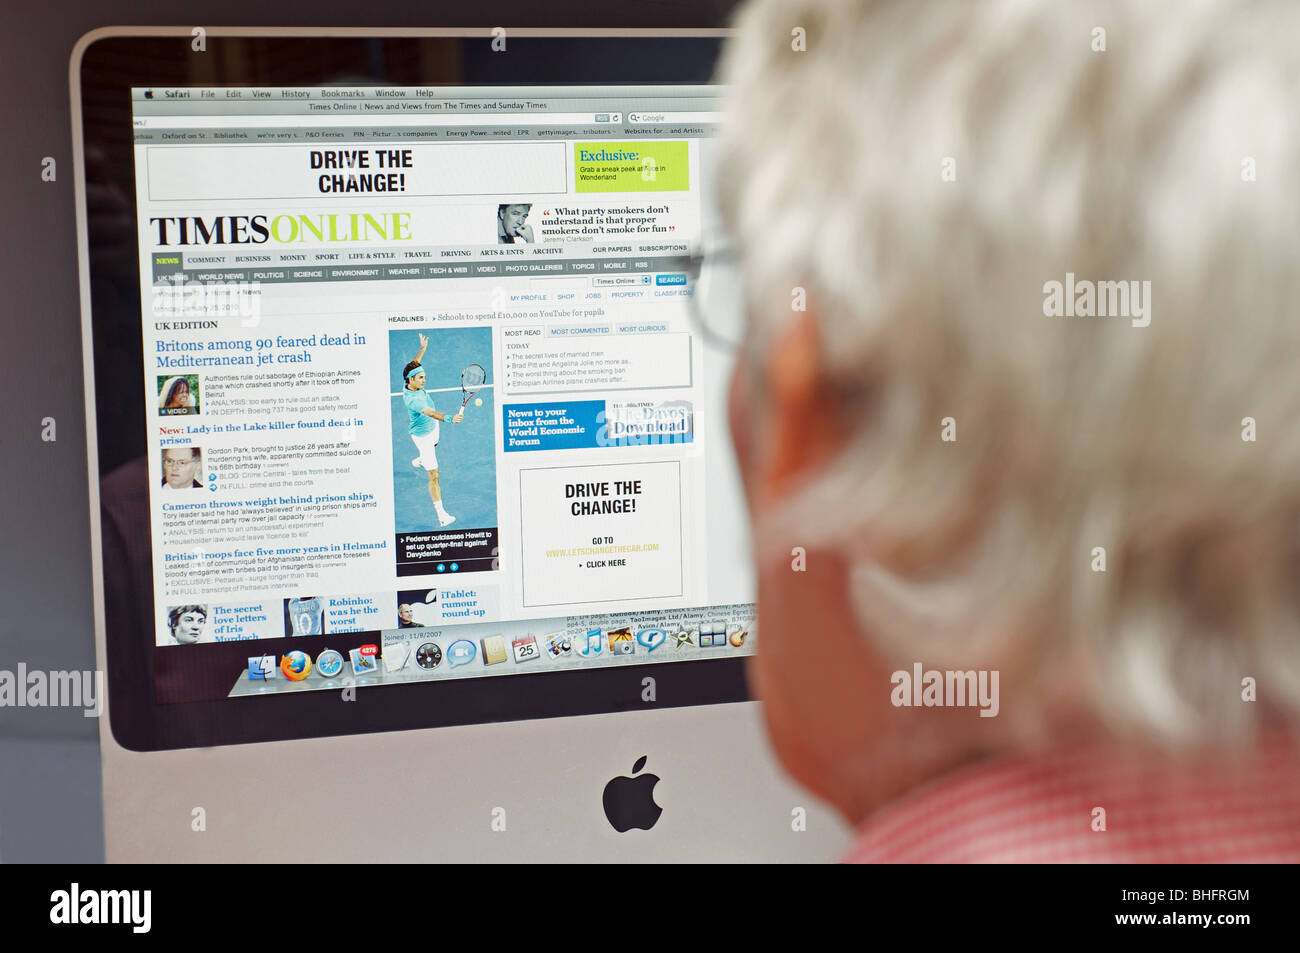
444 448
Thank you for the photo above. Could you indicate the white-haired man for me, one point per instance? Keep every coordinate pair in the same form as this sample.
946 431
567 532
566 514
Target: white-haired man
1036 425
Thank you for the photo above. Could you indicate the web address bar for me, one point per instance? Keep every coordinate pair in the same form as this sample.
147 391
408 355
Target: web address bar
326 119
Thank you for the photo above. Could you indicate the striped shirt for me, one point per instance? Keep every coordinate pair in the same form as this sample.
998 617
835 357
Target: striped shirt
1045 810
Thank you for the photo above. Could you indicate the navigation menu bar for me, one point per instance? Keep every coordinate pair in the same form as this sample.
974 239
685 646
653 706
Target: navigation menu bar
228 269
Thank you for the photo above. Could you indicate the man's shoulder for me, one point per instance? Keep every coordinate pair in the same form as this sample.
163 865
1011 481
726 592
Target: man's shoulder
1241 806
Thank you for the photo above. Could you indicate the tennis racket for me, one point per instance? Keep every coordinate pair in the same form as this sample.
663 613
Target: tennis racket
472 379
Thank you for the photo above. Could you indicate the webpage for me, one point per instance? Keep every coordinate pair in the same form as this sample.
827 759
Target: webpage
425 391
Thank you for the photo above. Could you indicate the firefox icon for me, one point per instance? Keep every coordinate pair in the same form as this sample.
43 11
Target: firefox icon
296 666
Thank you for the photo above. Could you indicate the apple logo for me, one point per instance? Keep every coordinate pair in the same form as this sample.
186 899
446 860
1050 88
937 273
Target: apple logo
629 802
427 613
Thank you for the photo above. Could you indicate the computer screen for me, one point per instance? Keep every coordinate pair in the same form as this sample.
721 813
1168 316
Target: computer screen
426 389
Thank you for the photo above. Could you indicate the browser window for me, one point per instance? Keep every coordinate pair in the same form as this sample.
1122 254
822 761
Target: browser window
425 390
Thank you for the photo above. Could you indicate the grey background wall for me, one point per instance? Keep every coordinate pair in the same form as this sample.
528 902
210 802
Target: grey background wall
49 765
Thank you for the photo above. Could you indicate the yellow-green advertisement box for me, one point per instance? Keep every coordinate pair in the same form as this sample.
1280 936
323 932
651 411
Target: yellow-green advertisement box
655 166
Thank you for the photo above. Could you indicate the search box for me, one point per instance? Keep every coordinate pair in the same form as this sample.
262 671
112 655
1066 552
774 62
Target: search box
559 283
657 119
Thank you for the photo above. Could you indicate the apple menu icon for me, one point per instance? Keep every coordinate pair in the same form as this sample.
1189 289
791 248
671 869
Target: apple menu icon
629 801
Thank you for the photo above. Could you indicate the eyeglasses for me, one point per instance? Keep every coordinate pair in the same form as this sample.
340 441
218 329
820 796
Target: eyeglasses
715 302
178 464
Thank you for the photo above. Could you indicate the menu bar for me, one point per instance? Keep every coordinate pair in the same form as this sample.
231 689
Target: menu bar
448 97
171 267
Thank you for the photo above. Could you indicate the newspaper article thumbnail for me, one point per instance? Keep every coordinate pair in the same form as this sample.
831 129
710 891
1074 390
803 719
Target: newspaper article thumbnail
444 450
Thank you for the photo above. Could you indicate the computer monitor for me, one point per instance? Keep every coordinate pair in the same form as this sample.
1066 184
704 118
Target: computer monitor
403 413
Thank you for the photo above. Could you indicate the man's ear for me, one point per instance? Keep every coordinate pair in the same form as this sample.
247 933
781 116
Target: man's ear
783 417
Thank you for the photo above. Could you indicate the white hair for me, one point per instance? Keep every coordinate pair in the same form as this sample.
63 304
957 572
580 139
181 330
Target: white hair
1173 156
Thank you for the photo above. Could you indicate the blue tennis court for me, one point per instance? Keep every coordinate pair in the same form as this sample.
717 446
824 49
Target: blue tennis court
466 451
